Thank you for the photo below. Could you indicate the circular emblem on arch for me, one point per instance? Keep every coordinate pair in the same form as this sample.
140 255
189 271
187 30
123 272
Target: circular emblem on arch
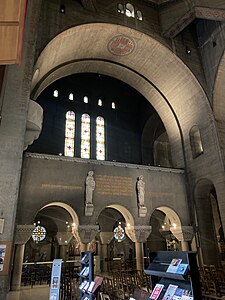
121 45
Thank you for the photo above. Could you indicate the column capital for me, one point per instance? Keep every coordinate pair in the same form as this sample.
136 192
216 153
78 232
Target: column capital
183 233
138 233
87 233
23 233
64 237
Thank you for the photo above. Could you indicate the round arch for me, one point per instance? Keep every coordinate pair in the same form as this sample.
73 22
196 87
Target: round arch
218 92
124 212
68 208
144 63
208 244
171 214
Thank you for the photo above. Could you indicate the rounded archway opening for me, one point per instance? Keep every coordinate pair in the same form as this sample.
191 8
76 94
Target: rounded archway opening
208 220
162 221
117 250
54 235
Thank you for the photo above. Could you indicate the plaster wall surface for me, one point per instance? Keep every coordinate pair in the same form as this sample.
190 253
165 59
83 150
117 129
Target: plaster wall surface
63 179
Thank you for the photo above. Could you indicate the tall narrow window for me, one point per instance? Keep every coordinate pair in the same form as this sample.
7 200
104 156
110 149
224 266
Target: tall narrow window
196 142
69 133
99 102
85 99
71 96
56 93
120 8
139 15
100 138
113 105
85 136
129 10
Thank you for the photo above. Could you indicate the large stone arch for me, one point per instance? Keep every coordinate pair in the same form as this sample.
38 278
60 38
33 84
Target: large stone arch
218 101
68 208
147 65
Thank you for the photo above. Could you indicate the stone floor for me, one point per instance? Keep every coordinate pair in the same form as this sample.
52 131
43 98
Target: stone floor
40 292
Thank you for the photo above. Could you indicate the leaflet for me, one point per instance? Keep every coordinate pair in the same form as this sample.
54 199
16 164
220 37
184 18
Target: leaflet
170 292
156 291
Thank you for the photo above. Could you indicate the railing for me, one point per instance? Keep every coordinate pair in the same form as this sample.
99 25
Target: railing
39 273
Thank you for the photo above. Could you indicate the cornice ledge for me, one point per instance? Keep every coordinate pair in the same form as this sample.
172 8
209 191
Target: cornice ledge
103 163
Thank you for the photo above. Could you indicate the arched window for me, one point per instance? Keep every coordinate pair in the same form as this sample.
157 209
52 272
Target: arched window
120 8
139 15
69 133
100 138
129 10
71 96
85 136
85 99
56 93
99 102
196 142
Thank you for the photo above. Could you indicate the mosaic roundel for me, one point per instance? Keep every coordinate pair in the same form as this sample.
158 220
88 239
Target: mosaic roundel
121 45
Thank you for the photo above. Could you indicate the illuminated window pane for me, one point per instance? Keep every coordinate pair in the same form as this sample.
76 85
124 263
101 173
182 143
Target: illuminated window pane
113 105
120 9
99 102
39 233
100 138
139 15
85 99
71 96
129 10
85 136
56 93
69 133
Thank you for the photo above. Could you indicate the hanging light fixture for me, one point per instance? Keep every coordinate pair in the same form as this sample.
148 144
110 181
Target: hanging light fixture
119 233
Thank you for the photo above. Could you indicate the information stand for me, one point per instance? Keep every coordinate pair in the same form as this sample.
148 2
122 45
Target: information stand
55 279
87 283
174 276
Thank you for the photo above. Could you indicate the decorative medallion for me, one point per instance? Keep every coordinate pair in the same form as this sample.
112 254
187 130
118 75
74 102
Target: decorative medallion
121 45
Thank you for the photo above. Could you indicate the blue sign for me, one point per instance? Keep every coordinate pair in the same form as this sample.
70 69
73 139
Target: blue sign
55 279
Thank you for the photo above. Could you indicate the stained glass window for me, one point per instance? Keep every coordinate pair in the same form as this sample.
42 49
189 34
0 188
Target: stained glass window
69 133
85 136
100 138
71 96
119 233
39 233
56 93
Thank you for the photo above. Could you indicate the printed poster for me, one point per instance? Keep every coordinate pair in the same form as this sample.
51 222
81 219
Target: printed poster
2 256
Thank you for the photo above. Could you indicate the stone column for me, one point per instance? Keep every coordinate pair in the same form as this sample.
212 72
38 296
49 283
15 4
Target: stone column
183 234
86 234
23 234
139 235
15 100
105 238
63 239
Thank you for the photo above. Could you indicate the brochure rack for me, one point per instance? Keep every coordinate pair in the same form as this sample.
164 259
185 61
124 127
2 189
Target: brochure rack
174 275
87 276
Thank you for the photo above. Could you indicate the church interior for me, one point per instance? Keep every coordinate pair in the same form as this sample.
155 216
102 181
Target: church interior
112 130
